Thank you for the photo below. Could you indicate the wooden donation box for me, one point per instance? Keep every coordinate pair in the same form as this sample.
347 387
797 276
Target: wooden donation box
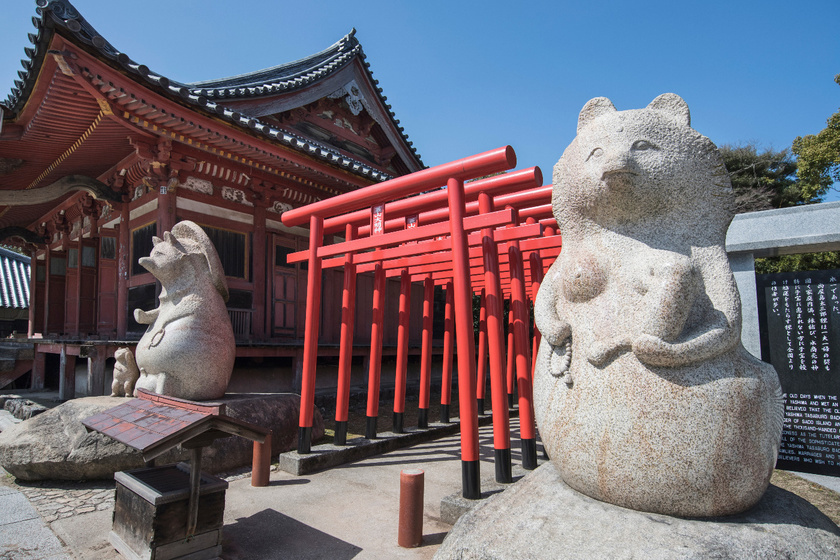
151 509
172 511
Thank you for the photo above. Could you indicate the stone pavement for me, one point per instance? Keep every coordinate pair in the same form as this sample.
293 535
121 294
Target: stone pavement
60 499
23 533
350 511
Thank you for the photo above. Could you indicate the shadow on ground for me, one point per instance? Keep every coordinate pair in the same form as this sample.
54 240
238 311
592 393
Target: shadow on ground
288 538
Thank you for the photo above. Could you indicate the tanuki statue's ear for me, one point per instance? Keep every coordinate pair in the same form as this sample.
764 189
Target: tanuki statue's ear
674 106
593 109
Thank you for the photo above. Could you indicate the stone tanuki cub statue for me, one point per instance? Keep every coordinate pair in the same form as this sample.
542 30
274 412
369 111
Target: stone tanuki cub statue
125 373
188 348
643 393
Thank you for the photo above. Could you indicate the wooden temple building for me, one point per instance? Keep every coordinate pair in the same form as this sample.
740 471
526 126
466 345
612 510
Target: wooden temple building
98 153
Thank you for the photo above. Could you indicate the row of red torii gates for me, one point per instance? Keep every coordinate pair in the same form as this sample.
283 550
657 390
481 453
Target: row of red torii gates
471 238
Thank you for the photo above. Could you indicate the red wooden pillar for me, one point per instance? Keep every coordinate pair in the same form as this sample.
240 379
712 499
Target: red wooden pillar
93 217
522 351
481 360
345 357
448 352
509 369
166 209
310 341
78 295
426 352
258 249
536 265
493 303
375 369
402 351
33 277
47 274
468 413
123 256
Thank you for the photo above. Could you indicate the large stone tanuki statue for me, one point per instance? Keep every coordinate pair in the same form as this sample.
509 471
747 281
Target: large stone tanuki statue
644 395
188 349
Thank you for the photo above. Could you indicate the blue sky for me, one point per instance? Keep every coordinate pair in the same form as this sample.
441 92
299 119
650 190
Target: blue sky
465 77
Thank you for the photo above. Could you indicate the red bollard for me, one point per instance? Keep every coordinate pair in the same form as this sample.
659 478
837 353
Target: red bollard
411 508
261 467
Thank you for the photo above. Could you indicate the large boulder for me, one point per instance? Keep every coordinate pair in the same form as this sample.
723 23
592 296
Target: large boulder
541 517
56 446
278 412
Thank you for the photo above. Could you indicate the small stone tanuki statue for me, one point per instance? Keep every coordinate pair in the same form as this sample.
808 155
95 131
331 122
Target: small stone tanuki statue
188 349
643 392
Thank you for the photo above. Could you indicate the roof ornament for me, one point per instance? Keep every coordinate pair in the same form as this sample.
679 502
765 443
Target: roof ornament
353 96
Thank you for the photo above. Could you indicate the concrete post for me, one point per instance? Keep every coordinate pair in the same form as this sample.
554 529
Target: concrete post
743 267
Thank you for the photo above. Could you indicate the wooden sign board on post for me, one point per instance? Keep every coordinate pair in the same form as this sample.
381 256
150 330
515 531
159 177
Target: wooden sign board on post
156 510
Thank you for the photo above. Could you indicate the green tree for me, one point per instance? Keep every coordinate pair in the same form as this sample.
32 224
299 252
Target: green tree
818 167
762 180
769 179
818 157
828 260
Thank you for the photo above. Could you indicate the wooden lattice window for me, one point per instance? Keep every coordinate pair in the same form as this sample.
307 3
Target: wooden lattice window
72 257
58 266
88 256
232 247
141 246
108 248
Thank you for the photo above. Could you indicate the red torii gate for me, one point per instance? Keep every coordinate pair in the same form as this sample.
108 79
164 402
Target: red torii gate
460 271
395 263
519 351
375 260
453 175
421 265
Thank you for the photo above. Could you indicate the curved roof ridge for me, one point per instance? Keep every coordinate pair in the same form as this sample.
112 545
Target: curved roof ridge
302 68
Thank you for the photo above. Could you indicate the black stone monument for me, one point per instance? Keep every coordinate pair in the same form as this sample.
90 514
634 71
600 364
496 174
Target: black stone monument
799 315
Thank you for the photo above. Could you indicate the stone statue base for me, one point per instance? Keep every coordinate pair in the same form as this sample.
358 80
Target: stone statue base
541 517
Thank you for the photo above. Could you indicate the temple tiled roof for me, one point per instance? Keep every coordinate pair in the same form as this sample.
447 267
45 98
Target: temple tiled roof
208 95
14 279
285 77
